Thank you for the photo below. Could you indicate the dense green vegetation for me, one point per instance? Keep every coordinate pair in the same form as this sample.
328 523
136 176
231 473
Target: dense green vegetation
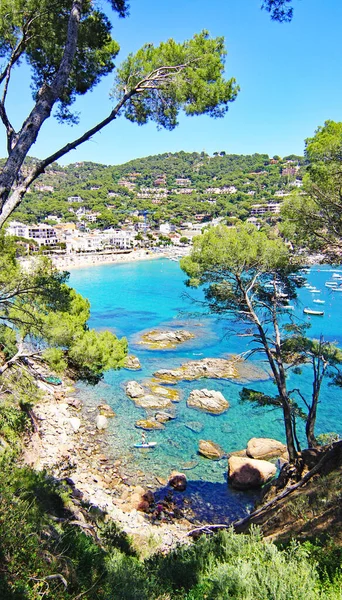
44 554
256 179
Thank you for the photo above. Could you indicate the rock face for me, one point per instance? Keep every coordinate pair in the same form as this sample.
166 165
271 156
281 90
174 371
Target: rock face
134 389
132 363
178 481
212 368
162 340
208 400
210 450
264 448
149 424
248 473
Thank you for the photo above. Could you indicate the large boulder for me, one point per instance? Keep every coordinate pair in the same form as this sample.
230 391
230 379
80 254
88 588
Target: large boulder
208 400
106 410
178 481
134 389
212 368
265 448
210 450
132 363
248 473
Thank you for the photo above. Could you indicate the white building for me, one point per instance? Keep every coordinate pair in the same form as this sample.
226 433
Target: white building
44 235
261 209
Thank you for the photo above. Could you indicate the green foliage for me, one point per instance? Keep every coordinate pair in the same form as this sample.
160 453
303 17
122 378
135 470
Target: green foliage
314 219
190 76
20 20
39 309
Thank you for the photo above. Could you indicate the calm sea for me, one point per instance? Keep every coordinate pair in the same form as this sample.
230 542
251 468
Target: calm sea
132 298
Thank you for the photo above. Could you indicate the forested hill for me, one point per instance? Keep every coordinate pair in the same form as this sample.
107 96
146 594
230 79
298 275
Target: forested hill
169 186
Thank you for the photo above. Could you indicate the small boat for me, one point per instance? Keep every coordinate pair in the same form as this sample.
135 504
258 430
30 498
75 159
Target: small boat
52 380
146 445
331 284
318 301
336 276
288 307
338 289
315 291
316 313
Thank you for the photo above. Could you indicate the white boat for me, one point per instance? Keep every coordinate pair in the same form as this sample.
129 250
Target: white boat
316 313
315 291
336 276
146 445
318 301
289 307
339 289
331 284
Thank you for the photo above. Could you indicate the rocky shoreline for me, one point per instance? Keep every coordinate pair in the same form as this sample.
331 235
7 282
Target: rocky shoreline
68 444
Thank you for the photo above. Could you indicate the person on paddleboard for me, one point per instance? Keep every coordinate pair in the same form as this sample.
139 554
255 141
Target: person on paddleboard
143 438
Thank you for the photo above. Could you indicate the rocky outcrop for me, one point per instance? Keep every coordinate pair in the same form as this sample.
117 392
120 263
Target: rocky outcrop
149 424
150 402
164 340
178 481
212 368
265 448
160 390
132 363
208 400
248 473
106 411
134 389
210 450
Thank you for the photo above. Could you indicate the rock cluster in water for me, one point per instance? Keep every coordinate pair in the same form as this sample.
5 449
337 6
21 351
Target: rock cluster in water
208 400
212 368
162 340
151 398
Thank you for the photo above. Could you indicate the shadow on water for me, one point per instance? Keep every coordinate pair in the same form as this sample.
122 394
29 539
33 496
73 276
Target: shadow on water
208 502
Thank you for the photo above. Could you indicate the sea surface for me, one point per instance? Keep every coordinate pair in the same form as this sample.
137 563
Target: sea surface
132 298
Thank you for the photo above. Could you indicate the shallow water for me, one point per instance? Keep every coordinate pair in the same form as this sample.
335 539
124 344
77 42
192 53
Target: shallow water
131 298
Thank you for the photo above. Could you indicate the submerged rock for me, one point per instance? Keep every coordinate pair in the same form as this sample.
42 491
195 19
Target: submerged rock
178 481
132 363
163 417
195 426
212 368
134 389
265 448
163 340
248 473
149 424
208 400
210 450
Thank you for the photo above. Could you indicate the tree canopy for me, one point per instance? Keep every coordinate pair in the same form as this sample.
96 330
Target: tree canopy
313 218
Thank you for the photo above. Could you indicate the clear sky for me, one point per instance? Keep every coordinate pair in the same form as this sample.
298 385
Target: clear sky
290 77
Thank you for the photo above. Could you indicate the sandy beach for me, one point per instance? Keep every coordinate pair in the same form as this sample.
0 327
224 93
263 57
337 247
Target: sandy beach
75 261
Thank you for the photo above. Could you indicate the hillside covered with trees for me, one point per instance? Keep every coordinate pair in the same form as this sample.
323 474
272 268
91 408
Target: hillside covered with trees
171 187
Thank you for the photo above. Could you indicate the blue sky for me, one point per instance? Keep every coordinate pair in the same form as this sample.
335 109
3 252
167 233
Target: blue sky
290 77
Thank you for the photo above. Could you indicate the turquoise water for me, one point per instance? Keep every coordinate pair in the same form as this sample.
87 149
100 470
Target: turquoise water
131 298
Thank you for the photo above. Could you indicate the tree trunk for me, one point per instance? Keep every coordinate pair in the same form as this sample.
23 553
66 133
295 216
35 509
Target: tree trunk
310 426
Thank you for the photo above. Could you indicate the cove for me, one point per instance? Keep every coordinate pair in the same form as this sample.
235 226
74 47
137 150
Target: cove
132 298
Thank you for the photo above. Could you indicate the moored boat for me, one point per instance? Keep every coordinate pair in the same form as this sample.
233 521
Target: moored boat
318 301
146 445
316 313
